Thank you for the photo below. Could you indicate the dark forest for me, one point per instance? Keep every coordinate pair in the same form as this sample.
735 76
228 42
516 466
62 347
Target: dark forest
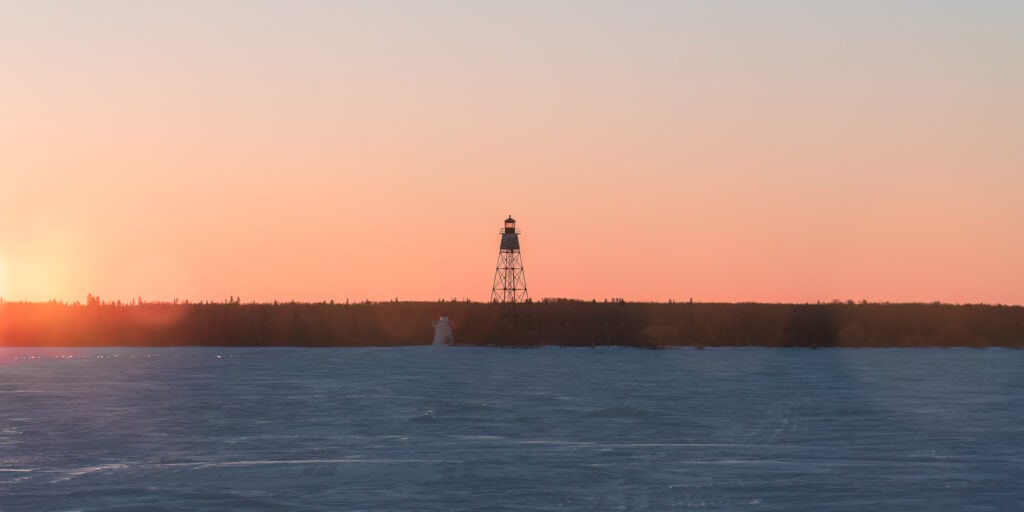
558 322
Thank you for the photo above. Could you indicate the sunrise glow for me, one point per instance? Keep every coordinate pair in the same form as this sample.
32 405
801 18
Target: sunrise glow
716 151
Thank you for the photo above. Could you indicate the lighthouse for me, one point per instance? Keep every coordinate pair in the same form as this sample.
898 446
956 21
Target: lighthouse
443 331
509 286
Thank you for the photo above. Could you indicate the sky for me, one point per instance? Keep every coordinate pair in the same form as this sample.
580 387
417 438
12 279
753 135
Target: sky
767 151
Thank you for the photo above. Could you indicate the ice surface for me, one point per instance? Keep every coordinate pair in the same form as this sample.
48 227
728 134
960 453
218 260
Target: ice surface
489 429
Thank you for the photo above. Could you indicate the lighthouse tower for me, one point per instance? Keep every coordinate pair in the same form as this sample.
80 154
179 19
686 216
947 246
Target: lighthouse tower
509 280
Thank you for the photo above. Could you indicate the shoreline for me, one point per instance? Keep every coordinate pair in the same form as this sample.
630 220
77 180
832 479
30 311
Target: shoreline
554 323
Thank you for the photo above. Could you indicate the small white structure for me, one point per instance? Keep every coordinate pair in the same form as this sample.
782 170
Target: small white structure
443 331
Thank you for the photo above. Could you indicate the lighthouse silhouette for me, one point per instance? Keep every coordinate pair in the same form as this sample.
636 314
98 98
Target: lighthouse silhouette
509 279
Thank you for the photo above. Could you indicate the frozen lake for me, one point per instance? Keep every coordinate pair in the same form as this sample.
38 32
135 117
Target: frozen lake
425 428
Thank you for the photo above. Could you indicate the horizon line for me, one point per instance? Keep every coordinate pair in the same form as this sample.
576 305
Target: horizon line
234 301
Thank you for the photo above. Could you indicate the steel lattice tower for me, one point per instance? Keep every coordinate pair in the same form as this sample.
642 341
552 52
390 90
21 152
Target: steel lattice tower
509 279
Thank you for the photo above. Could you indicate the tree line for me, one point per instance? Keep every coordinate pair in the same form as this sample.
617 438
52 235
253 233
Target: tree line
554 322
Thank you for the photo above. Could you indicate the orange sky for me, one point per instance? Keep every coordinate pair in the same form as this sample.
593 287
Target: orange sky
722 151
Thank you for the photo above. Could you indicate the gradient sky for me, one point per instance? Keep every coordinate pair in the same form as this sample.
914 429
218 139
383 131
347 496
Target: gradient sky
725 151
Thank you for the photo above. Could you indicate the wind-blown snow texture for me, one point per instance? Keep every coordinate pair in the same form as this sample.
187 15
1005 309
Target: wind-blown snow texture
424 428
